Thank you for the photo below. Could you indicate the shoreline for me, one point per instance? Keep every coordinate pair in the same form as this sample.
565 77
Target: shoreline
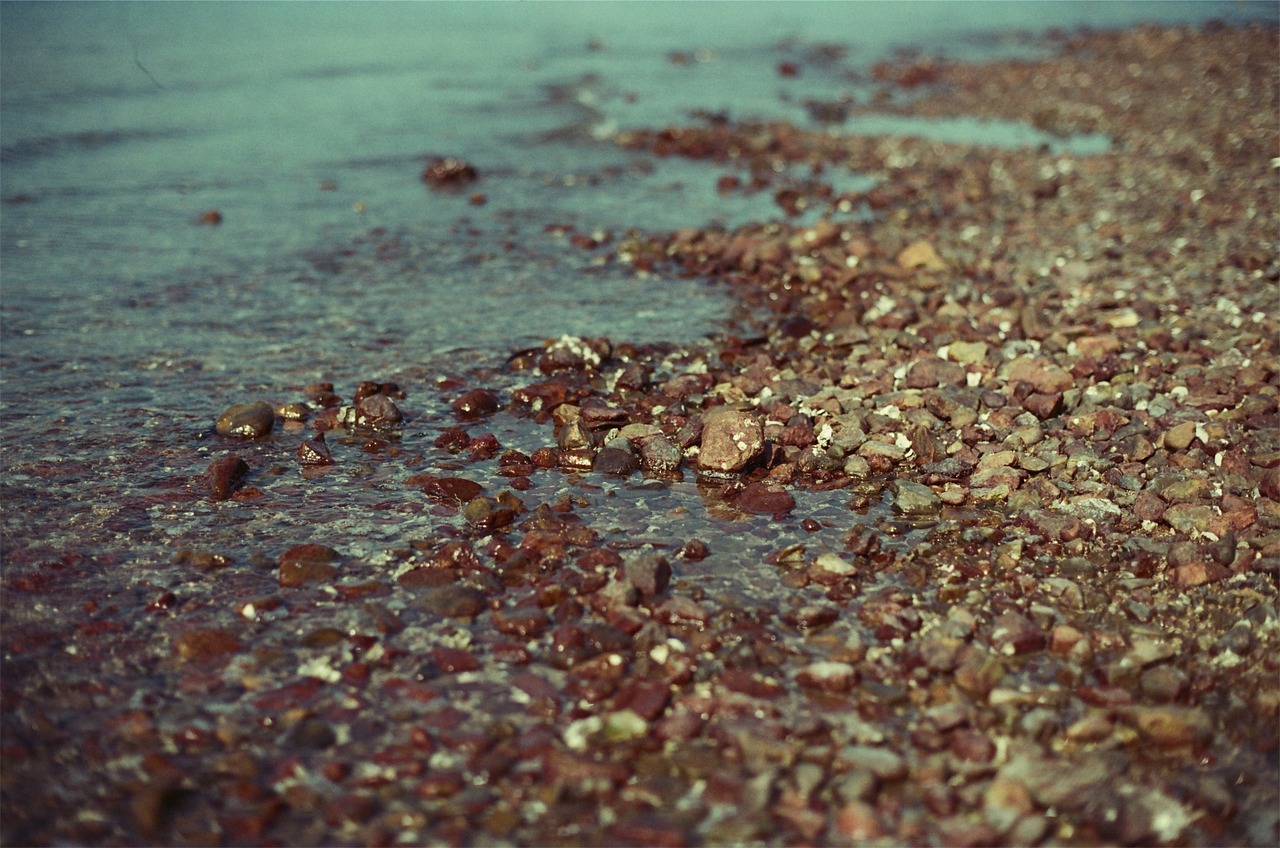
1043 387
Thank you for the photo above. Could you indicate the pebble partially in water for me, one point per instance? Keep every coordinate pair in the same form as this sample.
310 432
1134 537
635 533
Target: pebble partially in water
249 420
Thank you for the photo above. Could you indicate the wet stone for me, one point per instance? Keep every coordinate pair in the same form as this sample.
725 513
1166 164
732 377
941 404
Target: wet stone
731 440
616 457
911 498
659 456
475 404
453 601
650 573
309 563
315 452
378 411
225 475
765 498
248 421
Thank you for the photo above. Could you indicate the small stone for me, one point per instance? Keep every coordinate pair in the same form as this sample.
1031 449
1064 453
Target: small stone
1013 633
829 569
920 254
1269 485
1043 405
659 456
1180 436
836 677
454 601
765 498
310 563
911 498
648 572
449 171
315 452
886 765
475 404
1188 518
1044 377
1164 683
378 411
225 475
1171 727
731 440
248 421
204 643
930 373
616 457
967 353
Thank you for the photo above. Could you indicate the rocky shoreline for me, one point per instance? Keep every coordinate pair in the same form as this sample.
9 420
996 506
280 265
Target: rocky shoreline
1042 390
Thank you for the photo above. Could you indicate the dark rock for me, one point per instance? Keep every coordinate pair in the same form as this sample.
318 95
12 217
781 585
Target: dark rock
378 411
476 403
225 475
315 452
659 456
449 171
648 572
617 457
454 601
310 563
249 421
765 498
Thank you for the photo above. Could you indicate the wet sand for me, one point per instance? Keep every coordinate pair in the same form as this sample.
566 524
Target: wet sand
966 533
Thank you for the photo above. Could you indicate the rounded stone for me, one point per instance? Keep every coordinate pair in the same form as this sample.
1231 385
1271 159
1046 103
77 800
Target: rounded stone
248 420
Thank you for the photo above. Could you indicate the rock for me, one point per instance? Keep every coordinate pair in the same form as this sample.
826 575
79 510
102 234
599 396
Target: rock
454 491
731 440
912 498
765 498
829 569
1188 518
378 411
310 563
1170 727
920 254
204 643
967 353
886 765
454 601
475 404
248 421
616 457
315 452
659 456
1180 436
835 677
225 475
1013 633
1056 783
930 373
449 171
1269 485
1044 377
1043 405
648 572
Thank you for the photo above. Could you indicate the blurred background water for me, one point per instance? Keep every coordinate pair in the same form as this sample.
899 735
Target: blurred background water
306 125
123 122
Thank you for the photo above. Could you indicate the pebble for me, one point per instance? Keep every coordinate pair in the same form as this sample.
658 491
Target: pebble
315 452
309 563
911 498
765 498
225 475
475 404
616 457
836 677
649 572
659 456
731 440
453 601
378 411
248 421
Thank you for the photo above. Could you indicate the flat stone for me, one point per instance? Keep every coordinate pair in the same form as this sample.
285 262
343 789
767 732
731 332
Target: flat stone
731 440
310 563
911 498
248 421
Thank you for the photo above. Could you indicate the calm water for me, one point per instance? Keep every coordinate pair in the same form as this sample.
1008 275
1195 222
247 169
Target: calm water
127 325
